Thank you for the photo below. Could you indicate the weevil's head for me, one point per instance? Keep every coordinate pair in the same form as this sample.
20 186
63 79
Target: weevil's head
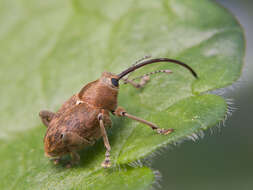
101 93
110 80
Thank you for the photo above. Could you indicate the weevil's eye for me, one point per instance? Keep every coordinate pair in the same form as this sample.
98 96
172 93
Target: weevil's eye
115 82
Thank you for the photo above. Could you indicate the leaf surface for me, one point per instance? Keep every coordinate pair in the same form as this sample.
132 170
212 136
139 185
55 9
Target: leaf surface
49 49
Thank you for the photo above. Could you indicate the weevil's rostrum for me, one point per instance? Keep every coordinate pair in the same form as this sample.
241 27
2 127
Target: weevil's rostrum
84 118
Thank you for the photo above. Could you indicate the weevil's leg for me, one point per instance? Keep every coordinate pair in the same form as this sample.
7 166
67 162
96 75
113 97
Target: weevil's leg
144 78
142 82
46 117
107 161
74 142
75 159
121 112
56 160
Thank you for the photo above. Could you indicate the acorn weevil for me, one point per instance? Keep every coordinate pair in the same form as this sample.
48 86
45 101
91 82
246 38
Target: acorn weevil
83 118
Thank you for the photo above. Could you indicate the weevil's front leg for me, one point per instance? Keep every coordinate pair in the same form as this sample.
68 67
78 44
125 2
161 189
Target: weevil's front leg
142 82
46 117
121 112
107 162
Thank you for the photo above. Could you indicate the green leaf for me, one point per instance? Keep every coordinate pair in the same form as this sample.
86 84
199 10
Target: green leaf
49 49
25 167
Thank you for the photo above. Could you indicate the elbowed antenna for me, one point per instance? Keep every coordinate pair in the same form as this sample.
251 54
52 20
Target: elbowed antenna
133 68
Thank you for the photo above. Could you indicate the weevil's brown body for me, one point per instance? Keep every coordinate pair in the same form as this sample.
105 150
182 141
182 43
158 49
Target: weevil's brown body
83 119
79 116
80 119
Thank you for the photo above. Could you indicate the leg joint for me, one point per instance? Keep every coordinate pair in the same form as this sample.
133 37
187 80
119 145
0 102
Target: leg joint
100 116
120 111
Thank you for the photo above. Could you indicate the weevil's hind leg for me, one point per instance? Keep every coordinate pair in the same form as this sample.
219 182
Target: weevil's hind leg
74 142
46 117
144 80
121 112
107 162
56 160
75 159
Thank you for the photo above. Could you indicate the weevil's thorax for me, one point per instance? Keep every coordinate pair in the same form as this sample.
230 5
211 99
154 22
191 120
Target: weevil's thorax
101 93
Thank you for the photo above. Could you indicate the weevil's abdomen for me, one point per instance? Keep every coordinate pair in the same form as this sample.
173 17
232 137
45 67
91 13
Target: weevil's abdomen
81 120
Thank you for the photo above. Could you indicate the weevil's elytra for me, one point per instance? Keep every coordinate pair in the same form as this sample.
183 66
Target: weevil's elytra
84 118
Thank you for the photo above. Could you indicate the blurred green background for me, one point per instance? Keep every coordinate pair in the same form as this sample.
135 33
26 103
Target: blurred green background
223 160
